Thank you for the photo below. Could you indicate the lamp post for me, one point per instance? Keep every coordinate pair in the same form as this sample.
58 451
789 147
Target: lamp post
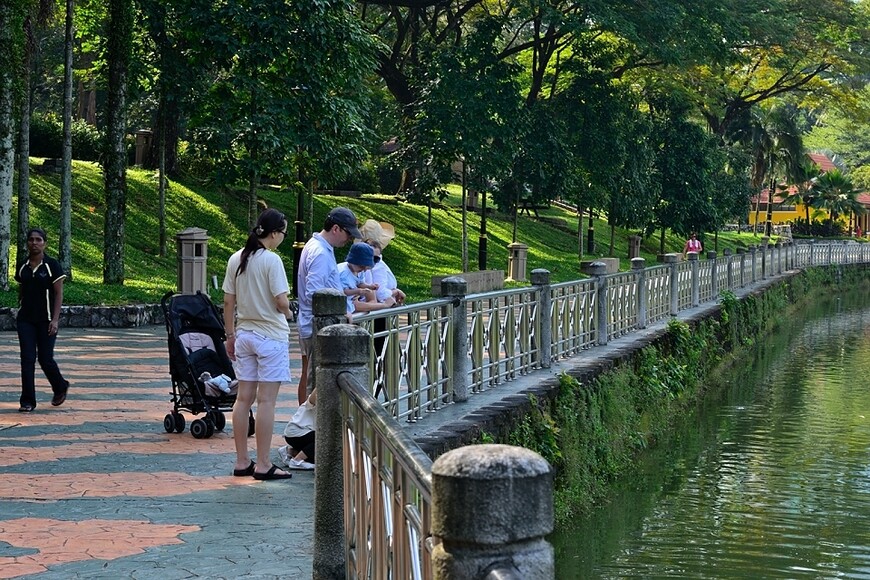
299 241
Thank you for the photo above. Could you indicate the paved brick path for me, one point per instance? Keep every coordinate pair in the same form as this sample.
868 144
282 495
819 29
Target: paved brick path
97 489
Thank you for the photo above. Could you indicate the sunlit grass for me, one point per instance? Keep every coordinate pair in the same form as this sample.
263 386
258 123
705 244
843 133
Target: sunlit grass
414 255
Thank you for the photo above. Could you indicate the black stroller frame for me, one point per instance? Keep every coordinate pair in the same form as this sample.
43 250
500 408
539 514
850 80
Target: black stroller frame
196 334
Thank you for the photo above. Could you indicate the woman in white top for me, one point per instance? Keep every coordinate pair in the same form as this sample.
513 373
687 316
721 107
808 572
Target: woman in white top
256 310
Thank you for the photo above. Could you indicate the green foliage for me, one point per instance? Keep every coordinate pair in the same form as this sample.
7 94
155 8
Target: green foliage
46 138
822 229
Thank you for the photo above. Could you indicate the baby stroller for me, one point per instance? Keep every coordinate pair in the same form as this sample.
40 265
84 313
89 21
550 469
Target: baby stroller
196 345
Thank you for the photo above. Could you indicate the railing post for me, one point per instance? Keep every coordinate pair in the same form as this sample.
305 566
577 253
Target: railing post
340 348
778 247
672 260
329 307
741 252
714 275
456 288
729 269
598 270
638 266
765 257
492 508
753 251
541 279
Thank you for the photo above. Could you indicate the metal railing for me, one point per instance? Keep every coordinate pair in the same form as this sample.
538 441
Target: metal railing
432 354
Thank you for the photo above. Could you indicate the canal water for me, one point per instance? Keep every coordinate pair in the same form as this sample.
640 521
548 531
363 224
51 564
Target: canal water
770 479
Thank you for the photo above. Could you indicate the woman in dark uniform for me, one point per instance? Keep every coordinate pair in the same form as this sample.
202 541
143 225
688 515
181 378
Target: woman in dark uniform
40 295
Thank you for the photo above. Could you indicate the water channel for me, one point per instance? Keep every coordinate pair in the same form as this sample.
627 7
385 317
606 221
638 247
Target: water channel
770 479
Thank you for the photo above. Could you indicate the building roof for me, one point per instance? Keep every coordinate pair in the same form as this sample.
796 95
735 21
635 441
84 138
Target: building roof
822 160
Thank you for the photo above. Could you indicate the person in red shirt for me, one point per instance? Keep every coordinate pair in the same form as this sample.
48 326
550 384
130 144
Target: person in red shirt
693 244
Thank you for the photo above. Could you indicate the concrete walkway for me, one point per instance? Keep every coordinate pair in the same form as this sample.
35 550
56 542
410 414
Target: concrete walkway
97 489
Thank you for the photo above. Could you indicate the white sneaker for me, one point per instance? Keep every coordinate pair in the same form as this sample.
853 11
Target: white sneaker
300 464
284 455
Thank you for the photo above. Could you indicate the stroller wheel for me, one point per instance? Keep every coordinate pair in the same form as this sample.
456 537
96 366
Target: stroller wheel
199 429
169 422
209 429
252 424
220 420
179 422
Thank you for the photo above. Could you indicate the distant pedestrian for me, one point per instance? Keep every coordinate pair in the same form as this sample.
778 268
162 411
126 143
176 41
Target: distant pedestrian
256 310
40 296
318 270
693 244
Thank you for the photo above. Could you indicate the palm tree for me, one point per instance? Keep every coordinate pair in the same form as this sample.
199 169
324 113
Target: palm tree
806 179
775 145
836 194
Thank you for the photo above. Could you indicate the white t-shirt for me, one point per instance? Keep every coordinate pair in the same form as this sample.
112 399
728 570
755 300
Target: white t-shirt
317 271
381 275
255 290
304 421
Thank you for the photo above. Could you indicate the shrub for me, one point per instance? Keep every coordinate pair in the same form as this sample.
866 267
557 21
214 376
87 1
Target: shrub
46 138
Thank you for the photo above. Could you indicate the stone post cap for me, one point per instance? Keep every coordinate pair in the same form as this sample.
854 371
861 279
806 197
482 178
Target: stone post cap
517 246
673 258
777 244
727 251
765 240
741 250
454 286
329 302
540 276
498 494
711 254
753 249
638 263
692 256
343 344
595 269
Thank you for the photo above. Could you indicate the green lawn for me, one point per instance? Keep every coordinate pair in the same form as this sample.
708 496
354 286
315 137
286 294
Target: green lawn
415 255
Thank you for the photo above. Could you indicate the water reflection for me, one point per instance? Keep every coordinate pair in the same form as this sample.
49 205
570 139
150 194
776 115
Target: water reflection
769 480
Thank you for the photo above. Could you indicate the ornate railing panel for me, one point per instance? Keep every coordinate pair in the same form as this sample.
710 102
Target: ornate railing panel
705 276
387 488
573 314
658 284
502 336
622 304
411 366
684 285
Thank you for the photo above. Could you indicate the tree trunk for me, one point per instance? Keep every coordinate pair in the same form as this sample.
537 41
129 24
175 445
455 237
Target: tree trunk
24 148
8 26
662 242
464 218
161 187
580 211
612 240
64 253
119 49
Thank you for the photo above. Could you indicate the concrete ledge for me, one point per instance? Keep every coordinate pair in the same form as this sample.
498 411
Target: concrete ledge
611 263
481 281
96 316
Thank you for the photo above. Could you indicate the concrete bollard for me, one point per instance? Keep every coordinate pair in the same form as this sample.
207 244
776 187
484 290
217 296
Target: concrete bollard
492 504
541 279
456 288
339 348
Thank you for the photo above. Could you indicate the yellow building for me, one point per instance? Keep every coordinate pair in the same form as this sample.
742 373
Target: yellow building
782 213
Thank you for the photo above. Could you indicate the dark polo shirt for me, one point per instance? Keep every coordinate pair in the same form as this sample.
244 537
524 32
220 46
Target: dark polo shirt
37 289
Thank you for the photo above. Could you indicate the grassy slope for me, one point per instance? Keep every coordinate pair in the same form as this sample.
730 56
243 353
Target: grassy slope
414 256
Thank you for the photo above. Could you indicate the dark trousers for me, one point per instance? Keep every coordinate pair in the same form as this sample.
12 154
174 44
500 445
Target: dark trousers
36 344
304 444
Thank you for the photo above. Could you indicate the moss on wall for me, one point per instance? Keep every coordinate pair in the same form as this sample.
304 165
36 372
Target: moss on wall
592 431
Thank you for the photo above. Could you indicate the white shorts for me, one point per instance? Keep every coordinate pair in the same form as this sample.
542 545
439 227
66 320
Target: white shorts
261 359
